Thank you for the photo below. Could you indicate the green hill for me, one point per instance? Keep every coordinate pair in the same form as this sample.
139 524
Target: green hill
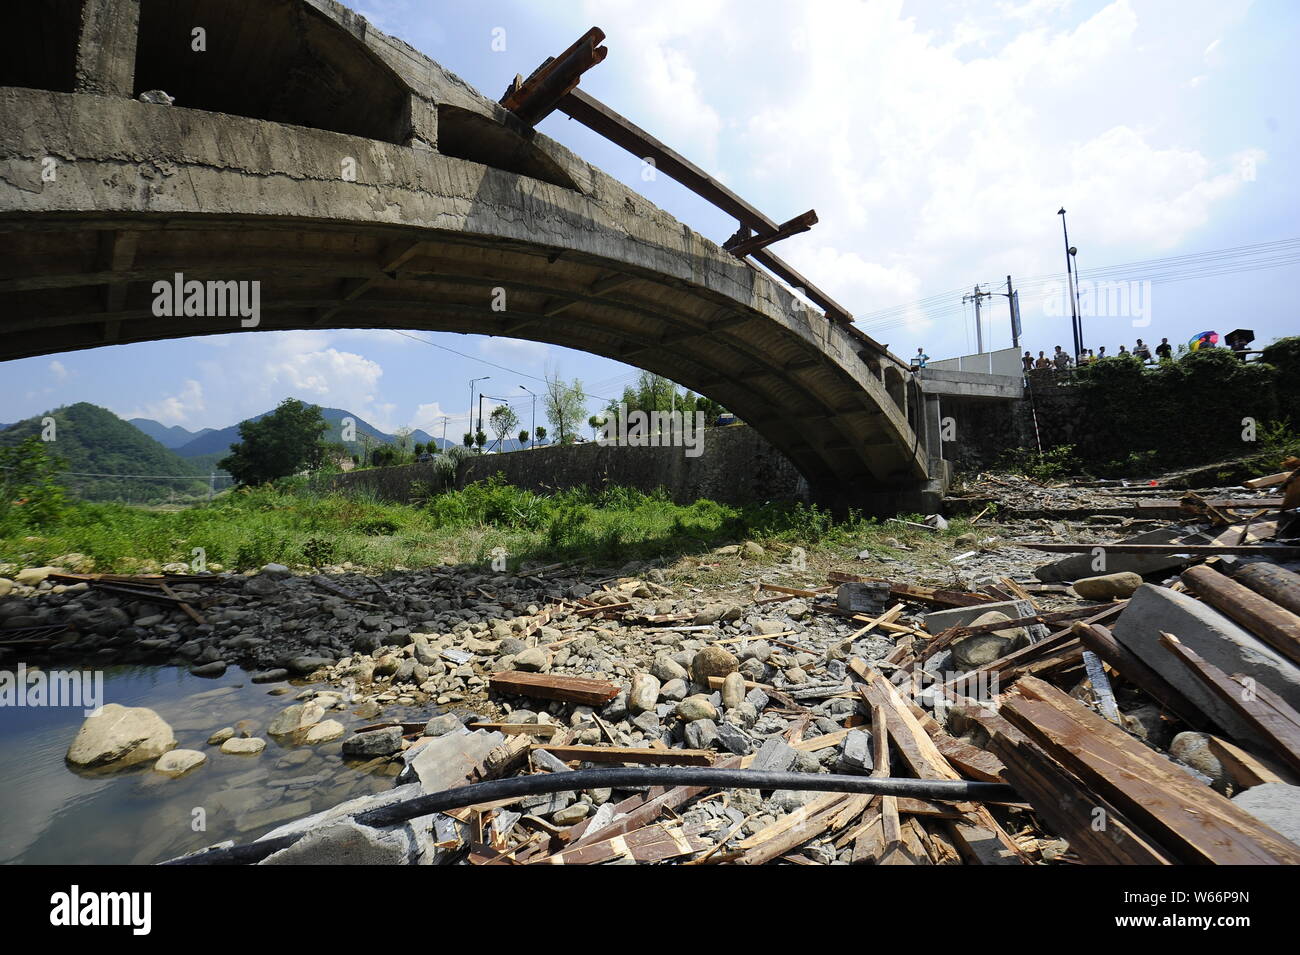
111 460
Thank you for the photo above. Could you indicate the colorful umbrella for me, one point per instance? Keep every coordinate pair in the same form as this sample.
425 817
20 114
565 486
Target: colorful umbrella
1203 340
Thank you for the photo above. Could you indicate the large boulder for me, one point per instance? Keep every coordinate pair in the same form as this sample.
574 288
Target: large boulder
121 736
644 694
1108 586
178 762
981 649
296 718
712 661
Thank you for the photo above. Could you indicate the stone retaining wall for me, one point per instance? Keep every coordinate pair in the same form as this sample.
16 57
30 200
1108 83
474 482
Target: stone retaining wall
737 466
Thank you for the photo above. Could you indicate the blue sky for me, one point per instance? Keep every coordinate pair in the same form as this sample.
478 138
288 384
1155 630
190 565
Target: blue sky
936 140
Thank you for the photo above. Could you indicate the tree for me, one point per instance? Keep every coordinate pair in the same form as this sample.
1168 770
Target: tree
523 438
565 405
596 422
402 442
469 439
419 448
278 444
502 421
480 439
541 433
30 493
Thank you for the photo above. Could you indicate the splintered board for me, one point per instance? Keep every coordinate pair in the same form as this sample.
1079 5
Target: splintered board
542 686
1188 819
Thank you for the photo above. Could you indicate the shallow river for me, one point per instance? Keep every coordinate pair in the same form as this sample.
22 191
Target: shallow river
51 814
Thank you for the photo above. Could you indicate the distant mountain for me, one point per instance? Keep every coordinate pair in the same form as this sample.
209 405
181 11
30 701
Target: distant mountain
111 459
173 437
218 442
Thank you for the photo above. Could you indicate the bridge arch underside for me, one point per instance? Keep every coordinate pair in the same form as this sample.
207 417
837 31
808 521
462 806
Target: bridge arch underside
65 284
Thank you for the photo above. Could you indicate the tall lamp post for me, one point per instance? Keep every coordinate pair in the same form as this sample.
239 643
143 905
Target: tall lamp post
1076 326
532 435
472 383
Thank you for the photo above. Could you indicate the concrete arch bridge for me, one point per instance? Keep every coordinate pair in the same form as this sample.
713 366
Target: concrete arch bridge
364 186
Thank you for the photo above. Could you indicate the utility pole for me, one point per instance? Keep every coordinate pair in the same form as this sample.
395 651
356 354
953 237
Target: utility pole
1013 303
444 432
472 382
976 295
532 435
479 423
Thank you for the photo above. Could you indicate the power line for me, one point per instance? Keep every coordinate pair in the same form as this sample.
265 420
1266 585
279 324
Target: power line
1178 268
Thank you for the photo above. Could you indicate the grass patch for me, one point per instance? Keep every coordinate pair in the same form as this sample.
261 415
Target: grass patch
292 525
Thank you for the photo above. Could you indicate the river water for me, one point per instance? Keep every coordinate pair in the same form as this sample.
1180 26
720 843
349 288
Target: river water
50 814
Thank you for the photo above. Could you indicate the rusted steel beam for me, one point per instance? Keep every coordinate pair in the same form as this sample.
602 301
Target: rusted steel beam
618 129
535 98
741 247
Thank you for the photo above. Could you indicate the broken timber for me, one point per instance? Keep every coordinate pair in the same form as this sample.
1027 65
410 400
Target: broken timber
568 689
1188 819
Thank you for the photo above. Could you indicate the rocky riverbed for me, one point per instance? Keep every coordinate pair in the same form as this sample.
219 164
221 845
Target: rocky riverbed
736 651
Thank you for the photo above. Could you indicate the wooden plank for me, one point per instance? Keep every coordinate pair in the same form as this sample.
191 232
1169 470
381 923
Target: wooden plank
793 830
618 129
1190 820
1245 768
894 850
981 840
1278 584
546 730
1058 616
630 754
1279 728
1276 626
569 689
651 844
932 596
1275 551
1098 834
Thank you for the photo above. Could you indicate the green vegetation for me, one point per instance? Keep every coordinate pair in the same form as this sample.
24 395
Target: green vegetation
96 445
287 524
1204 406
565 406
30 493
1049 465
276 445
657 393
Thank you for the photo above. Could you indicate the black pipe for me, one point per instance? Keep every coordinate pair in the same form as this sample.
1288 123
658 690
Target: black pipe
541 784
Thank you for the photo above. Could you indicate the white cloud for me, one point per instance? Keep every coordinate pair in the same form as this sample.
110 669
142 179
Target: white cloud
179 408
58 370
933 160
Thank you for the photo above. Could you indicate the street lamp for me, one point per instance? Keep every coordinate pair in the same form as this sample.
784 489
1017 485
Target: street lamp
532 435
1071 274
472 382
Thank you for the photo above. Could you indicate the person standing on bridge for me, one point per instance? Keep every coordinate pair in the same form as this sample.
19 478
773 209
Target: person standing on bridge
1028 361
920 358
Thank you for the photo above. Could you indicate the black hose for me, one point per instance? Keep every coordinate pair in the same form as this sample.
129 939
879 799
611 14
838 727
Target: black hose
544 783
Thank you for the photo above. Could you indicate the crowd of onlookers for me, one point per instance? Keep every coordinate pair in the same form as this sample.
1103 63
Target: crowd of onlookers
1061 359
